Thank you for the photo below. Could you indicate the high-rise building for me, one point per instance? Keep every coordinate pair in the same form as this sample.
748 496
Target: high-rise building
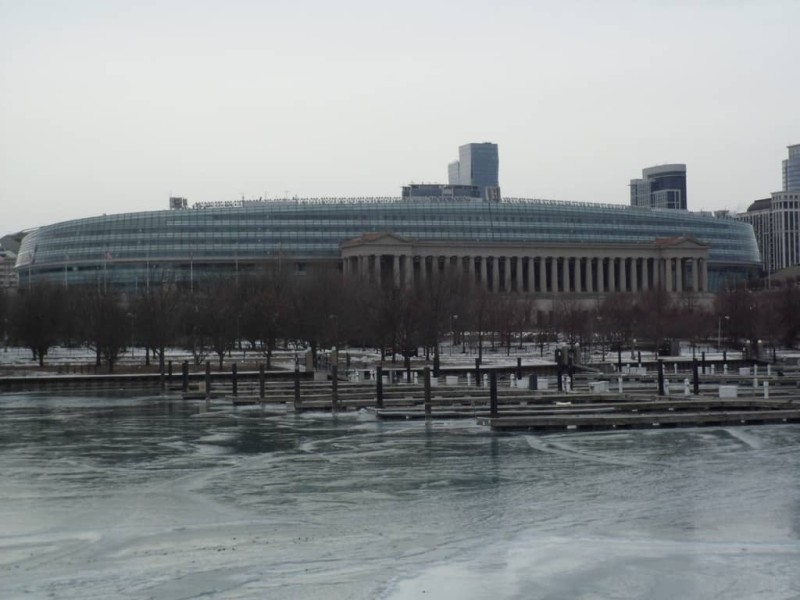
791 170
663 186
477 164
776 220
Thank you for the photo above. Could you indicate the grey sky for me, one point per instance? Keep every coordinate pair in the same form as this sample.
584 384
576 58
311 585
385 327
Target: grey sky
110 106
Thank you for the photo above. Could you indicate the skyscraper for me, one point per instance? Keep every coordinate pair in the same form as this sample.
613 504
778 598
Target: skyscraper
477 164
791 170
663 186
776 220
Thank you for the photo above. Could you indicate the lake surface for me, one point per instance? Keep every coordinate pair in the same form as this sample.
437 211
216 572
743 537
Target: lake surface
144 497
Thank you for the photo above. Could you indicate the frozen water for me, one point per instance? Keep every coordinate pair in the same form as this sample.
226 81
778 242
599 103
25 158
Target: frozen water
155 498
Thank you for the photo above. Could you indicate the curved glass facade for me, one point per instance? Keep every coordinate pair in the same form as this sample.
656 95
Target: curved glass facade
133 248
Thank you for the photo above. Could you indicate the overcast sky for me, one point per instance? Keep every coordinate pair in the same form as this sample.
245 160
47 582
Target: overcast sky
112 106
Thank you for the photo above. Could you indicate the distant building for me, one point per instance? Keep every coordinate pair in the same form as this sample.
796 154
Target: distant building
776 220
791 170
8 276
477 164
662 186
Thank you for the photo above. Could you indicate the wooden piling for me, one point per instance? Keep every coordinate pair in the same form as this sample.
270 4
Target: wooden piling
427 380
208 380
334 388
695 379
477 372
519 368
379 387
297 404
234 379
660 377
185 377
261 382
493 394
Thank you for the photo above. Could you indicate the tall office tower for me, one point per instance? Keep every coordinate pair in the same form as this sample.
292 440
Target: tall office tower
791 170
776 220
663 186
477 164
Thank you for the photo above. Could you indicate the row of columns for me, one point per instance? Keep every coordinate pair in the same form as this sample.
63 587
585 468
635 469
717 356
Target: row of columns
542 274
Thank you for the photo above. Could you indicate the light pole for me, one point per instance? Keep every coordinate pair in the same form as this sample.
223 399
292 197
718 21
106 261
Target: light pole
719 331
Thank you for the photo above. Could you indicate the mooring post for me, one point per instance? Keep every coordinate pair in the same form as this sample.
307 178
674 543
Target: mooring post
571 372
478 372
519 368
169 370
695 379
261 381
208 380
234 379
297 403
660 377
560 376
185 377
703 358
427 380
334 388
493 395
379 387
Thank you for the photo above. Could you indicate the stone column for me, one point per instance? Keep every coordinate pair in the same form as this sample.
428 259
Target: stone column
668 273
553 275
396 269
589 274
704 276
542 274
577 274
695 275
496 274
565 274
519 275
678 275
531 275
484 272
600 279
623 275
634 275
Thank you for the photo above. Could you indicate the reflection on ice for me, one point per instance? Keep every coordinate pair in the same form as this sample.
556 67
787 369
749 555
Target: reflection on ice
153 498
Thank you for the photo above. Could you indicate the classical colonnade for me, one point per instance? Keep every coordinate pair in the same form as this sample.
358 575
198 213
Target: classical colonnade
537 274
676 264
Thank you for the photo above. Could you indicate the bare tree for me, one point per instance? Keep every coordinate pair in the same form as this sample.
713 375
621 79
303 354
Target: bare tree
37 318
156 312
103 324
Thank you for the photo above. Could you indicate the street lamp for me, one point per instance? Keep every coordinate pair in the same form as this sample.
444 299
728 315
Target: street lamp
719 331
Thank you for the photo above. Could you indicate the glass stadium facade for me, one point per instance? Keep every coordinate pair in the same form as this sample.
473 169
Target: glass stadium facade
136 249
